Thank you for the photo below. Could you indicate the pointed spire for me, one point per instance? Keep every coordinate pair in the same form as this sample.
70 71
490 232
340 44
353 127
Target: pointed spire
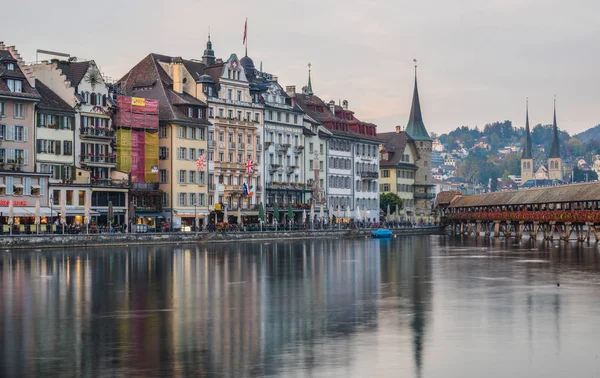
415 127
528 145
209 55
310 90
555 148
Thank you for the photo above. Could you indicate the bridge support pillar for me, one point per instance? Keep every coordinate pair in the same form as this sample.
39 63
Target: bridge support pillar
551 231
566 235
488 229
462 228
534 230
520 229
477 228
496 229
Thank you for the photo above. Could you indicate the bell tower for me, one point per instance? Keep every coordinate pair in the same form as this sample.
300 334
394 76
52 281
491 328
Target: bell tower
526 157
555 163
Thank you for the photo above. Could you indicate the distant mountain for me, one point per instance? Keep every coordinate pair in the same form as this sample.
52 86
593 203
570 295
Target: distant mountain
590 134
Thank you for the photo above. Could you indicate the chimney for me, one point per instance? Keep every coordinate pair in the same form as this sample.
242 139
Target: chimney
398 129
345 104
332 106
178 75
290 89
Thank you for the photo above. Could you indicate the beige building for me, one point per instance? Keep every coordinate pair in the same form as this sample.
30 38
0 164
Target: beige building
397 168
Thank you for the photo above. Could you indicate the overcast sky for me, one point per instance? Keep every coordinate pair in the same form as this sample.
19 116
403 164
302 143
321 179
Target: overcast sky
478 60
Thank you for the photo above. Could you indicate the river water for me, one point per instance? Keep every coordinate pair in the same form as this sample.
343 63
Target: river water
423 306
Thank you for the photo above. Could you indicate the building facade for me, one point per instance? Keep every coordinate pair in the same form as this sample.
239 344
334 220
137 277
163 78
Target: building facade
182 138
397 168
424 193
80 84
19 182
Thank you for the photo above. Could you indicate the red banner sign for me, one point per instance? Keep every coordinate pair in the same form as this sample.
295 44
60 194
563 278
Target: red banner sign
15 203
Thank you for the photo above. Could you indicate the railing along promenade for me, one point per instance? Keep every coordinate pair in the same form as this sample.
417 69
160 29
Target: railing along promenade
561 211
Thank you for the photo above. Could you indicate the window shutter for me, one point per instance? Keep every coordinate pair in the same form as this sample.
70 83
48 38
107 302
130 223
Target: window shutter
27 186
39 146
26 157
25 133
103 100
10 188
73 172
167 149
57 147
42 186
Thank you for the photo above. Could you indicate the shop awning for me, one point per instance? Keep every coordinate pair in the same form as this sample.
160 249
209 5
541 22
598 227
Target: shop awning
187 213
148 214
73 212
33 186
247 212
27 211
20 186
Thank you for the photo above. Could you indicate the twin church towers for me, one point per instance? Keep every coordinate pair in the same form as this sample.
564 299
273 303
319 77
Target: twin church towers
554 168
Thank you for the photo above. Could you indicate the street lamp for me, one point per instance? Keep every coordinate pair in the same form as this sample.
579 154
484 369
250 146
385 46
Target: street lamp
195 216
51 212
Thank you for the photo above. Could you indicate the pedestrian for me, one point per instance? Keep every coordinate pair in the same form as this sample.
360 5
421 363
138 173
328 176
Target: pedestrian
125 227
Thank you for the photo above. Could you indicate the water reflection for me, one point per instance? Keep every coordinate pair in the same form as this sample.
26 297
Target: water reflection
416 306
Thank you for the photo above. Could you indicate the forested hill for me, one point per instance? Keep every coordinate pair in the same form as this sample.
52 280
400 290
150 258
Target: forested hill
590 134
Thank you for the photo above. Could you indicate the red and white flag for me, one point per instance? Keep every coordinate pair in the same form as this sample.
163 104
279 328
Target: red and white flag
245 31
201 162
249 166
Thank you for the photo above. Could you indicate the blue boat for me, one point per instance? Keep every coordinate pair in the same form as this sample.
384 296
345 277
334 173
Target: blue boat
381 233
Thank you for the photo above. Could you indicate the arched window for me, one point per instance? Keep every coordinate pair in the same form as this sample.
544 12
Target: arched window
93 99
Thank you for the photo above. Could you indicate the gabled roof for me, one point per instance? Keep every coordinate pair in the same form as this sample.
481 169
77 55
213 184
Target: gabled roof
50 100
148 70
395 144
445 197
28 91
74 71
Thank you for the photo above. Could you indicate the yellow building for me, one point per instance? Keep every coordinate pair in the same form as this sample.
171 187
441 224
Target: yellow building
182 136
397 168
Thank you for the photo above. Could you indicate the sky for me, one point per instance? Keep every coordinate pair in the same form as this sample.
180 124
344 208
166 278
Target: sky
477 60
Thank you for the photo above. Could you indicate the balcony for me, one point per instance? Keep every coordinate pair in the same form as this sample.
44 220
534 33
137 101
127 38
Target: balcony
110 183
298 149
369 175
282 147
233 188
284 206
144 186
97 159
231 145
274 167
288 186
424 195
92 132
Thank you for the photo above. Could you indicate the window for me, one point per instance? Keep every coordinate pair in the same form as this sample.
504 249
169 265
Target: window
10 66
163 153
310 147
19 110
239 95
19 134
192 177
165 199
386 188
191 133
386 173
239 115
230 114
69 197
229 94
182 199
182 176
211 112
182 153
321 165
14 85
182 132
321 148
2 109
247 116
162 131
220 113
256 117
201 134
193 199
311 164
296 118
221 155
163 177
67 147
192 154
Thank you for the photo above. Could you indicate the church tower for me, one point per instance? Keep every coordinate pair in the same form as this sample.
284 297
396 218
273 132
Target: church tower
209 55
555 163
415 129
527 157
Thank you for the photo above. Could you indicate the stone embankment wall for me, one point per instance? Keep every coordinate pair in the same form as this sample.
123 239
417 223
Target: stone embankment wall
108 240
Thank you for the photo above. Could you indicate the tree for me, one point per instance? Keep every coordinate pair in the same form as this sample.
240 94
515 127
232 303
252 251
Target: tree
391 199
494 183
584 176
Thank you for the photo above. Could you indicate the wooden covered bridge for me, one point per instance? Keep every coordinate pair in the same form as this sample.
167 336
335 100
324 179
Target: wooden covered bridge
567 211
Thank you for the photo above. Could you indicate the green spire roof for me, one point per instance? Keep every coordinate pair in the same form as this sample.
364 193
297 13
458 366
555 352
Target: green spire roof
527 148
555 149
415 127
310 90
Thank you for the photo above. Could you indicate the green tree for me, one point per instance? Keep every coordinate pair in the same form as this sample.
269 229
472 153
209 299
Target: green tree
584 176
391 199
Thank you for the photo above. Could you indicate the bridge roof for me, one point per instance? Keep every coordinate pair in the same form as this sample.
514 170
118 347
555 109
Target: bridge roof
563 193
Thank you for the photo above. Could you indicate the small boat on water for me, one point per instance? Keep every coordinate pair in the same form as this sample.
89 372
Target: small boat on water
381 233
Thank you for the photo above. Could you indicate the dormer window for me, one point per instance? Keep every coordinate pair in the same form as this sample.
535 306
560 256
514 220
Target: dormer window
10 66
190 112
14 85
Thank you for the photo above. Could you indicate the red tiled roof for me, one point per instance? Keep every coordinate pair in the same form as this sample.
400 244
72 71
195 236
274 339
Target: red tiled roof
74 71
28 91
50 100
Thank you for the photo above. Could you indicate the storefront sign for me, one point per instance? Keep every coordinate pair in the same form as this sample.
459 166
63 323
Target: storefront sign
15 203
104 210
138 101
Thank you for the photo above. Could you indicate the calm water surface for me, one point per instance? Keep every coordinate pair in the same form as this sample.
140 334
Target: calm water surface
430 306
